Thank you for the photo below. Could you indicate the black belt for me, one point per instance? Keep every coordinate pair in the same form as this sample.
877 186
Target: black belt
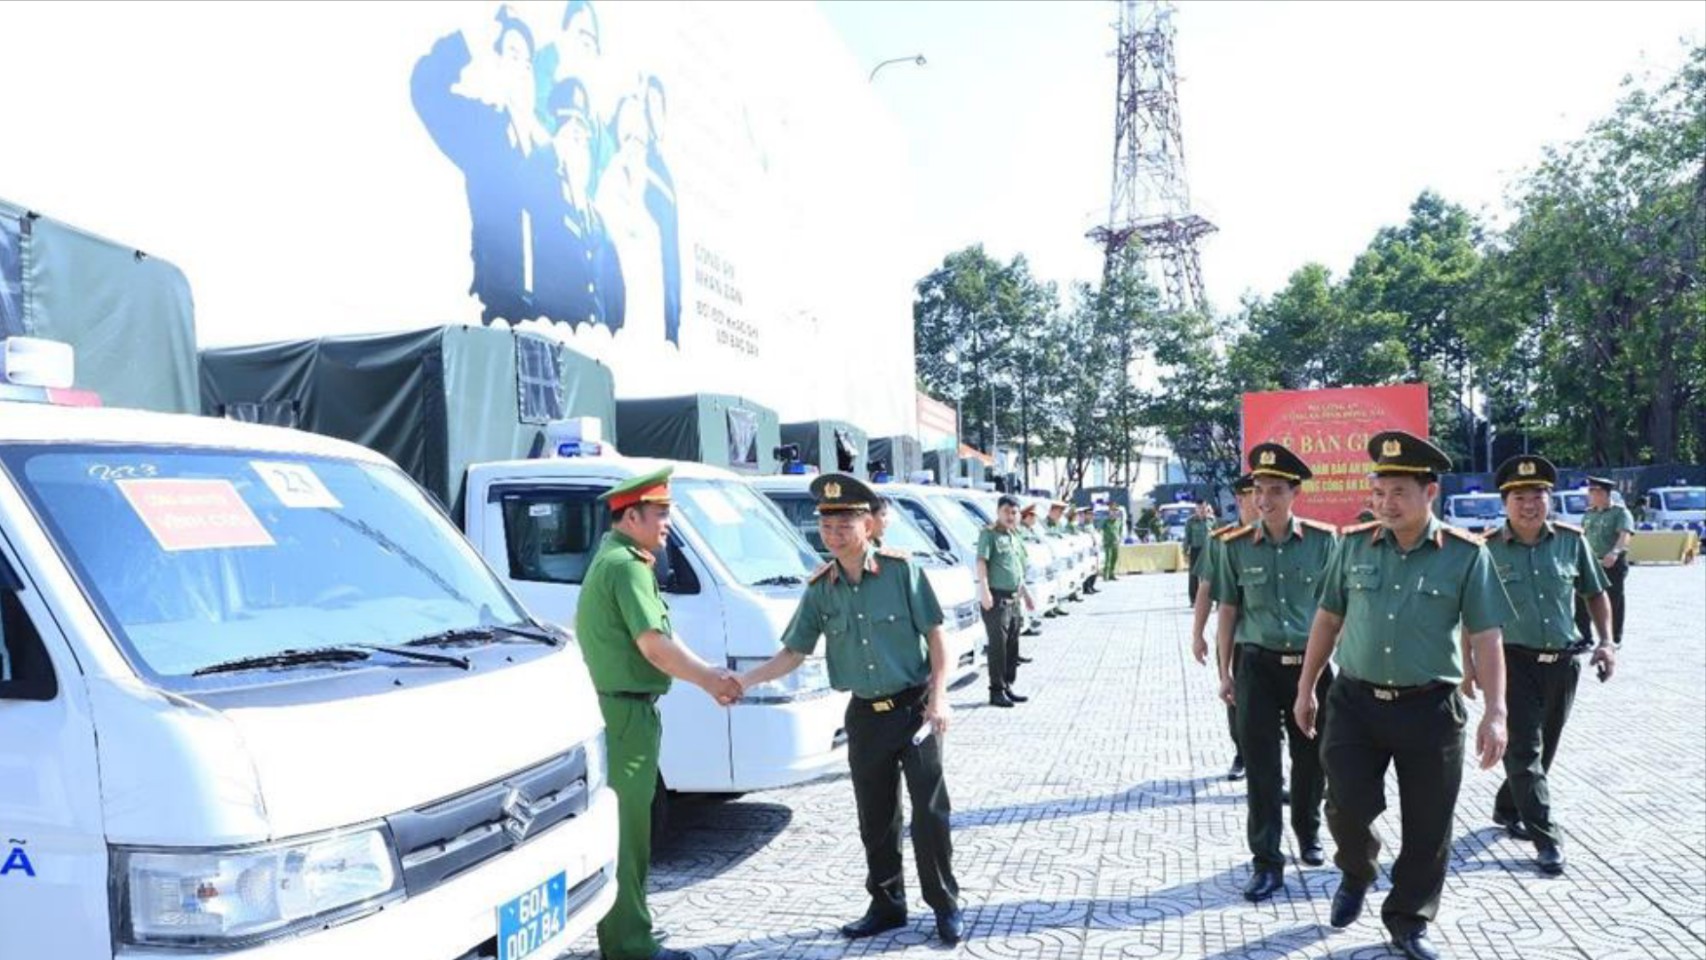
1541 656
1003 594
893 701
1284 658
630 695
1389 694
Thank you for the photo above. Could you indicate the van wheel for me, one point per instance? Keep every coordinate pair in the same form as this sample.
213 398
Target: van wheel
660 809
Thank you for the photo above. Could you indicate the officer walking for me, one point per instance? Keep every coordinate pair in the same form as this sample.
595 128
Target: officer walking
1398 588
1112 527
631 651
1001 558
885 646
1197 529
1243 492
1545 567
1608 527
1266 576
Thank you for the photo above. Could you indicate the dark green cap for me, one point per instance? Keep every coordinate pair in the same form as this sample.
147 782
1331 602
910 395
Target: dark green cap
1274 460
1525 470
840 492
1395 452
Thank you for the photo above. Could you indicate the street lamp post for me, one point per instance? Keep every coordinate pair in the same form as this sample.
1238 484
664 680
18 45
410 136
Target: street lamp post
917 58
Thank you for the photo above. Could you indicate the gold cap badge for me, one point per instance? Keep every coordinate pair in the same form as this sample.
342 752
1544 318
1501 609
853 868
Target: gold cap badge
1525 468
832 490
1391 448
1267 458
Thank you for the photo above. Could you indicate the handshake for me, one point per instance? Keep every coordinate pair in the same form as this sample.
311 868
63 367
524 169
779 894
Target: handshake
724 686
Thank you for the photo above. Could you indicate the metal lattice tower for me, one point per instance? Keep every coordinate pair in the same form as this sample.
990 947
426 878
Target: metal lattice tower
1151 202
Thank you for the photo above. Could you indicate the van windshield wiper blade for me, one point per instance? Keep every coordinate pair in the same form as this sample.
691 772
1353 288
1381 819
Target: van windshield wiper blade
286 658
466 635
781 580
420 655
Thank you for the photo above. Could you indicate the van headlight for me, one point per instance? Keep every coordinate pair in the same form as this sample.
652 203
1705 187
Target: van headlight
597 763
235 896
809 680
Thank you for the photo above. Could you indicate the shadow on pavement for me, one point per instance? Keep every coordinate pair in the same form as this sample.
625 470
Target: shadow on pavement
709 835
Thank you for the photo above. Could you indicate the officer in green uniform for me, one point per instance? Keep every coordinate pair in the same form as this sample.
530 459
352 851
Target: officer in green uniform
1112 528
1001 558
1087 524
1608 527
1266 576
1056 528
1197 529
1544 566
631 651
1397 589
885 646
1243 492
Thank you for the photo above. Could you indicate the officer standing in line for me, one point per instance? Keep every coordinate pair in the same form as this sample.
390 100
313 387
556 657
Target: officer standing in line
1267 576
1398 588
1001 558
1057 528
1034 538
1545 566
1197 529
885 645
1608 528
631 651
1243 491
1087 524
1112 528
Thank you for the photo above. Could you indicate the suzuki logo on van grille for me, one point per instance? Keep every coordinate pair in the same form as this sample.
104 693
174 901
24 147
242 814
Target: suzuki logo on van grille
519 814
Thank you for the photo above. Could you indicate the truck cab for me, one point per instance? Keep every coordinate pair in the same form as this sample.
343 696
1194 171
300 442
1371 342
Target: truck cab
261 700
1475 512
733 574
954 526
1677 507
953 584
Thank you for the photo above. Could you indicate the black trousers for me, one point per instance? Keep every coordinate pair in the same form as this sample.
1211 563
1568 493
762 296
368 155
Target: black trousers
1617 574
879 753
1266 688
1191 579
1232 728
1422 734
1002 624
1538 698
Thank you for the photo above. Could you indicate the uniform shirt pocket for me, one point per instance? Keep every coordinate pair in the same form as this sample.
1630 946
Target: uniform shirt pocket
1362 577
1438 589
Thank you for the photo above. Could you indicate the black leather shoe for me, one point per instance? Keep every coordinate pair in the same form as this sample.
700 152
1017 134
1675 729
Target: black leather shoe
1513 825
1024 659
1015 697
1415 945
875 921
999 699
1551 858
1347 905
950 926
1264 883
1312 853
1237 770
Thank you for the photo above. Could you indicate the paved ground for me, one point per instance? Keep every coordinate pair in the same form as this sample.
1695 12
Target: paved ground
1095 821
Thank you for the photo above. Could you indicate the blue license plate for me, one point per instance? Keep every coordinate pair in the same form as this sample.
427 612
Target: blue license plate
531 920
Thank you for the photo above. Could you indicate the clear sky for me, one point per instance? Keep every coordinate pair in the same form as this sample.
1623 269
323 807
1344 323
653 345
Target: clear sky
1307 126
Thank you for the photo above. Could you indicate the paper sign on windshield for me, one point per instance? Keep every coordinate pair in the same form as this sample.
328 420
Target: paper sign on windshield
296 485
195 514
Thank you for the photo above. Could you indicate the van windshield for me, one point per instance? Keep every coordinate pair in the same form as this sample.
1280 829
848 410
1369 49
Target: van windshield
1574 503
198 557
743 529
1478 507
961 519
1685 500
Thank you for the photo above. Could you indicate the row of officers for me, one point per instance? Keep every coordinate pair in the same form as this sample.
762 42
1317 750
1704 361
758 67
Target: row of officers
1419 614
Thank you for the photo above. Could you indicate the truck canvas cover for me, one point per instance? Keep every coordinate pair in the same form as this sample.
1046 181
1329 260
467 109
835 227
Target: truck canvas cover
435 400
903 455
713 428
127 315
830 445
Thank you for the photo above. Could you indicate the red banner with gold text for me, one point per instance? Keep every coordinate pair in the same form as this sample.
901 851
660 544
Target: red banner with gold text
1329 429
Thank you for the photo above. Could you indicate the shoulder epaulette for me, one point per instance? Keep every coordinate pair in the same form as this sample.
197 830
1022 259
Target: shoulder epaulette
1318 525
820 571
641 555
1237 532
1360 527
1578 531
891 553
1467 536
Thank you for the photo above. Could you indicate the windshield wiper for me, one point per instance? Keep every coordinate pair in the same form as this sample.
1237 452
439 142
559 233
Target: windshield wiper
781 580
286 658
489 634
420 655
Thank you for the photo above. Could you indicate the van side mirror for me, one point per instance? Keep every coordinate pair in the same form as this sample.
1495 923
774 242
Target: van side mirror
26 673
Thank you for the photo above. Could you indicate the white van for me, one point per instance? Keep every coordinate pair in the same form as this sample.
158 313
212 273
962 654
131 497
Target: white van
733 574
1571 506
1476 512
954 526
260 700
1675 508
1046 586
954 586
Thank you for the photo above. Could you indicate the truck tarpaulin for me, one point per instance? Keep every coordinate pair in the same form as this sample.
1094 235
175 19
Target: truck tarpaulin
902 456
833 446
713 428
